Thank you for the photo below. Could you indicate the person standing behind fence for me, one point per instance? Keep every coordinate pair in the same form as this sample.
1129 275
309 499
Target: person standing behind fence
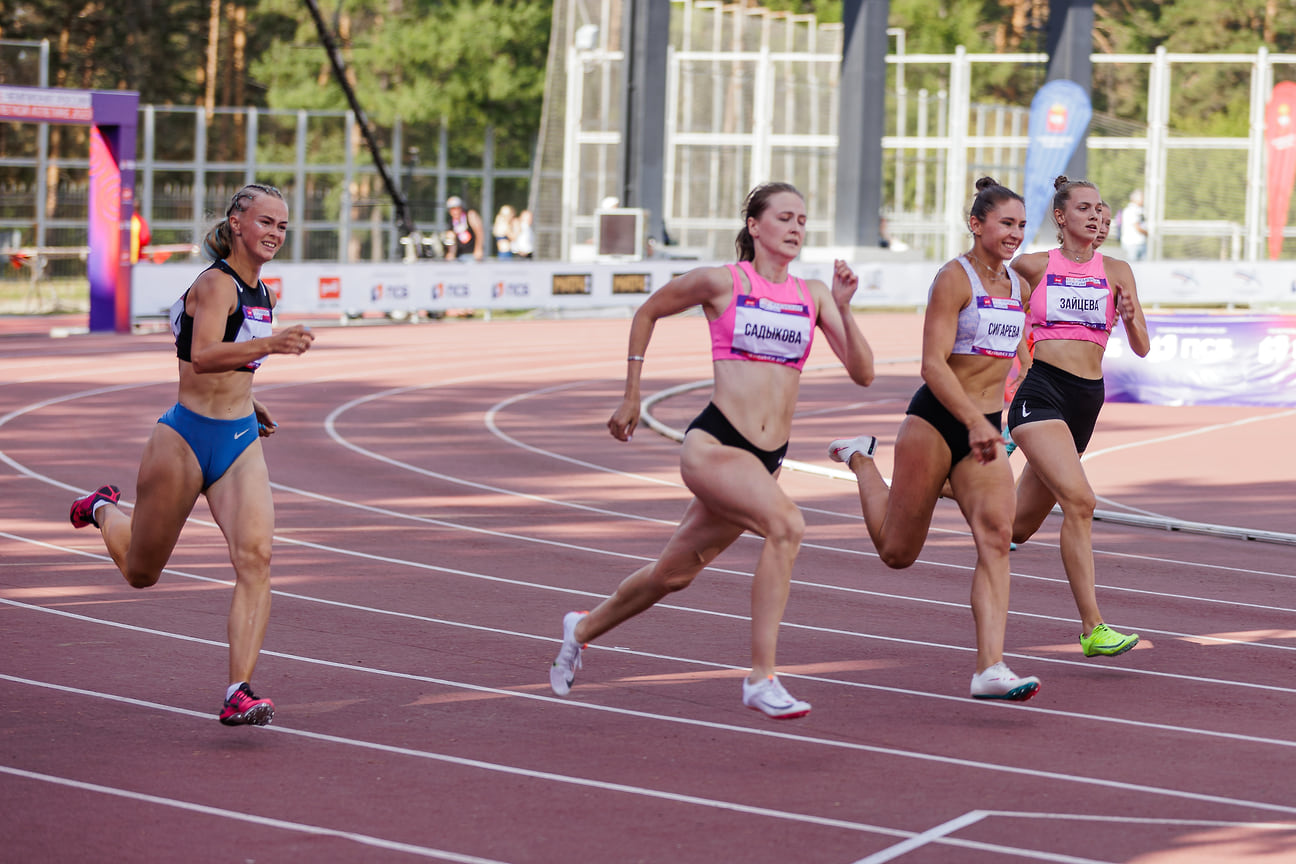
972 330
762 324
208 443
466 235
1074 298
524 236
502 230
1133 227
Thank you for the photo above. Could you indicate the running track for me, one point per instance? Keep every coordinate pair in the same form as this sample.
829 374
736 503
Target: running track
446 491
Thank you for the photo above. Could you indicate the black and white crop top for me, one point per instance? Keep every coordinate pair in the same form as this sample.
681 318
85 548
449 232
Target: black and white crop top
252 319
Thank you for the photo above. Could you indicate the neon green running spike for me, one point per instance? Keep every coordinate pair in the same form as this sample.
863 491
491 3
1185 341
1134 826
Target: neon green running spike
1107 642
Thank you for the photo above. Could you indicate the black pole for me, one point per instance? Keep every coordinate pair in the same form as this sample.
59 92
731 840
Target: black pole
644 111
862 100
1070 42
404 221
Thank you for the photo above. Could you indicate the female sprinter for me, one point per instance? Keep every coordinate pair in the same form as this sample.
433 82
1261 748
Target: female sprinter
761 321
952 429
1073 298
208 442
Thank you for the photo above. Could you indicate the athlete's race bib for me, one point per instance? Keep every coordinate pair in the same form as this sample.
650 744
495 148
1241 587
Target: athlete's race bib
1078 300
769 330
999 326
258 322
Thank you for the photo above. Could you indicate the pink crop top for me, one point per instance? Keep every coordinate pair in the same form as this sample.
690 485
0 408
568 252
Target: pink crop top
1072 301
774 323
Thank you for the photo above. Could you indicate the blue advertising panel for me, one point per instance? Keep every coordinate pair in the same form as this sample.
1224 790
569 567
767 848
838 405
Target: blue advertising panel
1059 116
1204 359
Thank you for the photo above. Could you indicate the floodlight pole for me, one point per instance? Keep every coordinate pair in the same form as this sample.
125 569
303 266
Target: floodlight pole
404 219
643 110
1070 42
862 102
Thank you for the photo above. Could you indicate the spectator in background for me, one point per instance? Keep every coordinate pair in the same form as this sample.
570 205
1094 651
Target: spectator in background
466 235
523 236
1133 228
502 231
885 240
140 236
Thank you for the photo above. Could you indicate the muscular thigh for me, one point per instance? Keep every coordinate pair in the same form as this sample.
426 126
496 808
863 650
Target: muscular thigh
922 463
985 492
701 536
241 501
166 489
733 485
1051 453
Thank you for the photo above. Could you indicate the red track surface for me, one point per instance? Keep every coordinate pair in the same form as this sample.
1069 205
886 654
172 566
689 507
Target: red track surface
447 491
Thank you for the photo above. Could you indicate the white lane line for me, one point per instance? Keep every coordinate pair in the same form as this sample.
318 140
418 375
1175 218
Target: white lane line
792 625
250 818
891 853
1232 682
22 469
1163 522
1070 715
1140 820
1201 430
974 816
494 767
604 785
331 421
647 418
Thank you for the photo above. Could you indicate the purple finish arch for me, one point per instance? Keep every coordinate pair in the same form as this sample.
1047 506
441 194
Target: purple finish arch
112 117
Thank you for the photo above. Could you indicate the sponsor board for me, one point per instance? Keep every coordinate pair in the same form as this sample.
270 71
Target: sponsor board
275 286
329 289
631 283
1195 359
510 290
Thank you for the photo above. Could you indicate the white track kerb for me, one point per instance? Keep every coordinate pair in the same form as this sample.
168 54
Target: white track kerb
1142 520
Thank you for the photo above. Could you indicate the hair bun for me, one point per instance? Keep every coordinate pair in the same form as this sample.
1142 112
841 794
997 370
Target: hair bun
986 183
1060 181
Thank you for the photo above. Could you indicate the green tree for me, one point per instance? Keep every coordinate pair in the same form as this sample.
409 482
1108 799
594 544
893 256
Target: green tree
156 47
473 64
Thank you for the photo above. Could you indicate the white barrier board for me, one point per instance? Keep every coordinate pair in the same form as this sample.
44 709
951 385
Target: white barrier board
328 288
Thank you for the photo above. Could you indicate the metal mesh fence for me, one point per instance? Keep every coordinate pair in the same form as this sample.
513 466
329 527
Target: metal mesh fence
752 95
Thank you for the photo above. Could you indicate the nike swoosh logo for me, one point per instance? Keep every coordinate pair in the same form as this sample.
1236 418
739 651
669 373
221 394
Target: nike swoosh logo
1025 413
238 435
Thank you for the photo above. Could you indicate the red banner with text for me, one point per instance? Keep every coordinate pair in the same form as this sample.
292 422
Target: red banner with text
1280 144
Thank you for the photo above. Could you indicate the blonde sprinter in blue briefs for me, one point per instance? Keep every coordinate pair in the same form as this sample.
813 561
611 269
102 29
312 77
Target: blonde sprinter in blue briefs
762 323
208 443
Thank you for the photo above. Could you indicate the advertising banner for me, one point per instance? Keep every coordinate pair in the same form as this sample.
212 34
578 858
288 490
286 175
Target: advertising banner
1280 147
1059 116
1201 359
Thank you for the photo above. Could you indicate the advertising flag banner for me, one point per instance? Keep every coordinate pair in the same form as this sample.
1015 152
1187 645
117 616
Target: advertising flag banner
1059 115
1206 359
1280 146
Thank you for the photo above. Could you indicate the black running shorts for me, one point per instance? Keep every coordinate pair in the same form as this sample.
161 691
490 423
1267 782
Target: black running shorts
1050 393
